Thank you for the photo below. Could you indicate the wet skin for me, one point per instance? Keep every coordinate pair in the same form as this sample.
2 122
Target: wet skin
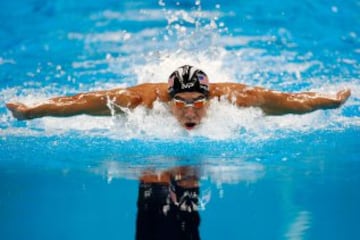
189 116
96 103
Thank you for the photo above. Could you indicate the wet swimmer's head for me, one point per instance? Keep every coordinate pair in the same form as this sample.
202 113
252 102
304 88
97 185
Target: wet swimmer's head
189 92
188 79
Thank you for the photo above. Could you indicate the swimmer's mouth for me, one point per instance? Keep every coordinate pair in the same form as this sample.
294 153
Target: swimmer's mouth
190 125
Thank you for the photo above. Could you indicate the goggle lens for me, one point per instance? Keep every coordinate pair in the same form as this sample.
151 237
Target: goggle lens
199 104
179 104
196 104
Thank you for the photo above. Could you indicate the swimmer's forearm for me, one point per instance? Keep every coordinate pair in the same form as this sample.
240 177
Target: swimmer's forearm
61 109
275 103
101 103
69 106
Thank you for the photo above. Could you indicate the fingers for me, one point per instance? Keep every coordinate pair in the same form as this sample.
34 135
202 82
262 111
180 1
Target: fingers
18 110
343 95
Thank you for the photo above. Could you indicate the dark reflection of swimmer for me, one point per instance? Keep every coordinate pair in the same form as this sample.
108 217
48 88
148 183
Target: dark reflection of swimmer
168 205
187 92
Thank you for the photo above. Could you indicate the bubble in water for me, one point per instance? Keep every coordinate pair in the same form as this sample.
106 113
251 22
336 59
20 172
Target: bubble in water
162 3
334 9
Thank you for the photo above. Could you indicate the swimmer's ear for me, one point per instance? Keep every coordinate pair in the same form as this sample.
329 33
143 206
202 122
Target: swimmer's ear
18 110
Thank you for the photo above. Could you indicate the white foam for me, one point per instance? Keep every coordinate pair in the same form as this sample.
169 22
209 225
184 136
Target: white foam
224 171
193 38
298 228
228 173
115 36
159 70
224 121
6 61
145 15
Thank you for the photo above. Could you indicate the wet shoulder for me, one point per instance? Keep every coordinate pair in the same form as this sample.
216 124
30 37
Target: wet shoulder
151 92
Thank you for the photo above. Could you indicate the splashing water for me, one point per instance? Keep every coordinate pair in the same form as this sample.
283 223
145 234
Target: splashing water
293 176
197 37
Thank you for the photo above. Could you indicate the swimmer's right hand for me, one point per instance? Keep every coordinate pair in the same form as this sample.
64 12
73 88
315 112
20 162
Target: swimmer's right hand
18 110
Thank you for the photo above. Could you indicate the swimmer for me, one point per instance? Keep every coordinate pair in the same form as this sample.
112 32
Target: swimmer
188 94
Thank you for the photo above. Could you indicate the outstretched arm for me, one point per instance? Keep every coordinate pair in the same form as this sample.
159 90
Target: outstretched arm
93 103
278 103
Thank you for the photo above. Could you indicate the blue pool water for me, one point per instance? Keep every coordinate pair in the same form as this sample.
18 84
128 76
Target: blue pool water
289 177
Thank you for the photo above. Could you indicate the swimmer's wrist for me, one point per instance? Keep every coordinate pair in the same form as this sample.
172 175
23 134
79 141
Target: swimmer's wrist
28 114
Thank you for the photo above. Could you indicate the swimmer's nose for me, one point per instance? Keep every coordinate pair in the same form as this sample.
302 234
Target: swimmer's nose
189 112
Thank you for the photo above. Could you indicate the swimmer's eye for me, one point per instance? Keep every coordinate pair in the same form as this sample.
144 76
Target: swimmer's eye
199 103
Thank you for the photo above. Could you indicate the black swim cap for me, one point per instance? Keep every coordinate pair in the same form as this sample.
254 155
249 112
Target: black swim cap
188 79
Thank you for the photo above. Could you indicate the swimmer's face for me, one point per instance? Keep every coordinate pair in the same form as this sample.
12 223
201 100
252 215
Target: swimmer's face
189 108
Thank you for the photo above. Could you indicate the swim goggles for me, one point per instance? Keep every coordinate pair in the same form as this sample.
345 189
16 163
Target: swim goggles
181 103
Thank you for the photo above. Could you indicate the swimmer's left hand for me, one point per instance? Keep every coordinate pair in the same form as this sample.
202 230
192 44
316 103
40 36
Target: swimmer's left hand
342 96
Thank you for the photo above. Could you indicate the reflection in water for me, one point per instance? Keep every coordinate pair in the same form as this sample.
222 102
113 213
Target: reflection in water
169 194
168 204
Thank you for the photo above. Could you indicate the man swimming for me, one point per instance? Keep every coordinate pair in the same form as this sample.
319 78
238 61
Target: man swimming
188 94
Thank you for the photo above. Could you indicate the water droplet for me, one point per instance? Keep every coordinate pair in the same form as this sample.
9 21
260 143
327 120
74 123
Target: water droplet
334 9
161 3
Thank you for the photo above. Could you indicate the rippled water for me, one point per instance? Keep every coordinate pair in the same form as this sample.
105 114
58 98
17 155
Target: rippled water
261 177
